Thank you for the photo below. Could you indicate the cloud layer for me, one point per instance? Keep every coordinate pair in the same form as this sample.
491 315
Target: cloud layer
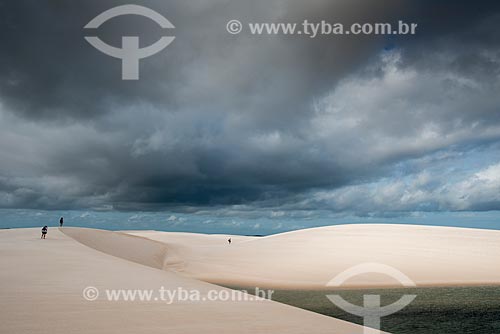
347 124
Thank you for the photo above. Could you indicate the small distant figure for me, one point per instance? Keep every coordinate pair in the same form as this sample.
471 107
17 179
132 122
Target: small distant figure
229 241
44 232
61 222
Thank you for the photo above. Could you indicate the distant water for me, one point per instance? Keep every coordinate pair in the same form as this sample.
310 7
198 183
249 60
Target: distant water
230 221
468 310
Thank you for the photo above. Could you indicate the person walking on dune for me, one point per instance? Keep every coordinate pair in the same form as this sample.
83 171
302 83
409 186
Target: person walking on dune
61 222
44 232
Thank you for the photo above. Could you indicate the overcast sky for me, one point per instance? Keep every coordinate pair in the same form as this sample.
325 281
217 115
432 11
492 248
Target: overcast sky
365 126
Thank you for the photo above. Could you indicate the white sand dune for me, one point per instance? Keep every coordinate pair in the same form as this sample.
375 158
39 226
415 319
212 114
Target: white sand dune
42 283
308 259
42 280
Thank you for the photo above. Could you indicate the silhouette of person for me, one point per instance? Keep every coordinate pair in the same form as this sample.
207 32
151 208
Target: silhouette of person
61 221
44 232
229 240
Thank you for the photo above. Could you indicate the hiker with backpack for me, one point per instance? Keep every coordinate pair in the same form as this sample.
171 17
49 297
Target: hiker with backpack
44 232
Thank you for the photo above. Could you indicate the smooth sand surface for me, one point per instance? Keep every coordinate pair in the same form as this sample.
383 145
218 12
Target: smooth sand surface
42 283
309 259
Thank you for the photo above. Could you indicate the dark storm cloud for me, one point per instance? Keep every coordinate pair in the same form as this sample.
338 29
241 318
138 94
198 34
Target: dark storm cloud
217 119
49 71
